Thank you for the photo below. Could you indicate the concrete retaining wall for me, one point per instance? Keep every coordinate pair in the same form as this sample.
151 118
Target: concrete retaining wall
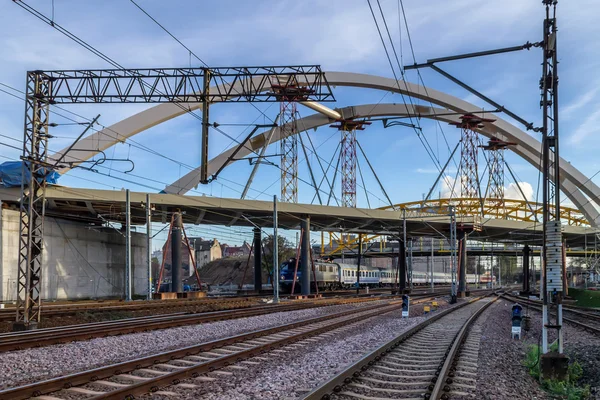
79 261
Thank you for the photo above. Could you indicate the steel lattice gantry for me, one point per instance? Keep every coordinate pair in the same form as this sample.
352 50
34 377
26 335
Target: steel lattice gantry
151 85
31 224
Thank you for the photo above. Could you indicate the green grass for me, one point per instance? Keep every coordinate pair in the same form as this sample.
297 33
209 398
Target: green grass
569 389
585 298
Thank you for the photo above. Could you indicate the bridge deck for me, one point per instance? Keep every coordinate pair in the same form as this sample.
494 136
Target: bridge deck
87 204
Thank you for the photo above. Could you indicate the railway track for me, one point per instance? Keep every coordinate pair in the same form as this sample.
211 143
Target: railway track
51 310
149 374
49 336
588 320
426 362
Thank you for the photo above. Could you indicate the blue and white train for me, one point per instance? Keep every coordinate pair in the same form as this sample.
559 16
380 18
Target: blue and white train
331 275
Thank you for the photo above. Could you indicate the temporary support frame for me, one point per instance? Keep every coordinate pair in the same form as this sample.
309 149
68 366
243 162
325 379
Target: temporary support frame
495 189
348 158
469 174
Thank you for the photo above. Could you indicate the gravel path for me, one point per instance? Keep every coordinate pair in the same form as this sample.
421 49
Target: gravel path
30 365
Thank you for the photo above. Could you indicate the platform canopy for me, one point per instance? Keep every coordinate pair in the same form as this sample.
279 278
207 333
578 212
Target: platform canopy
98 206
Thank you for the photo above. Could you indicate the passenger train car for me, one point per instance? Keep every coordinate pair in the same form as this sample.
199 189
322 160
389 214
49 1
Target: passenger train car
331 275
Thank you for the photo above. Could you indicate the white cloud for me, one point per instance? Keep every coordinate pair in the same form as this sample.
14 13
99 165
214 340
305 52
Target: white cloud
590 126
513 192
585 99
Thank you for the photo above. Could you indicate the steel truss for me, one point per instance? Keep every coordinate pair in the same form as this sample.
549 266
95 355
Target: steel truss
289 91
495 190
184 85
348 158
151 85
289 152
468 174
33 192
348 142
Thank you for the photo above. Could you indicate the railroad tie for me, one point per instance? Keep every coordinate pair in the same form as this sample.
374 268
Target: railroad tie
84 391
186 385
167 393
170 366
111 384
362 397
133 377
153 371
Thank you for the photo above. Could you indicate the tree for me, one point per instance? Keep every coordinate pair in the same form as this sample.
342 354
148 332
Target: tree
285 250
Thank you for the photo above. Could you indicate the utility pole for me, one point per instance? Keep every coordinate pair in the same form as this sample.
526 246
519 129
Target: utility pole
552 237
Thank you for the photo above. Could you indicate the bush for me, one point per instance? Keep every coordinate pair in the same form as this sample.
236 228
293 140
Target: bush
568 390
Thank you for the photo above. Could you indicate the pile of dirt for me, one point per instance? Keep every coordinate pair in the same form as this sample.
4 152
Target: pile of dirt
228 271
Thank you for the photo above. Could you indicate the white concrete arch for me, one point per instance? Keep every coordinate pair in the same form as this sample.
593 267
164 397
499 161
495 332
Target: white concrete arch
314 121
531 148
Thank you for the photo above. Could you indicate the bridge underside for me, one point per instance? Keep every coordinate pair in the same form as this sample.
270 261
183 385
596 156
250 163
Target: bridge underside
98 206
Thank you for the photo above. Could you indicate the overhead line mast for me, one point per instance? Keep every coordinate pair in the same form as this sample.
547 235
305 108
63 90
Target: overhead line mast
150 85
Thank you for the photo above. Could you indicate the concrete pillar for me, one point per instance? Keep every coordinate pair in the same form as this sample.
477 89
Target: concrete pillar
257 260
176 273
462 276
402 266
305 272
526 255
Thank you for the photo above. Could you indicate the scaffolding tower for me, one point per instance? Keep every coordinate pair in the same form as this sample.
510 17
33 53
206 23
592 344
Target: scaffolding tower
468 173
348 158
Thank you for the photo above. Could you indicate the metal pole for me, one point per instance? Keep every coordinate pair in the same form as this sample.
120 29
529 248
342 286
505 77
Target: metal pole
432 264
405 243
257 260
127 245
149 244
275 253
358 264
205 125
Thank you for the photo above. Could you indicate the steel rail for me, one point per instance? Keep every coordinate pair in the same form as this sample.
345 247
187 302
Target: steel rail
49 336
535 306
100 307
335 384
439 387
82 378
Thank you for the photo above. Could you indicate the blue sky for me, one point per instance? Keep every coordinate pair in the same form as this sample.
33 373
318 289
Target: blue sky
340 35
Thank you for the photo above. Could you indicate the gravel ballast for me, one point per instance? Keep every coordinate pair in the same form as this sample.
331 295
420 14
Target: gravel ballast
293 373
501 374
31 365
